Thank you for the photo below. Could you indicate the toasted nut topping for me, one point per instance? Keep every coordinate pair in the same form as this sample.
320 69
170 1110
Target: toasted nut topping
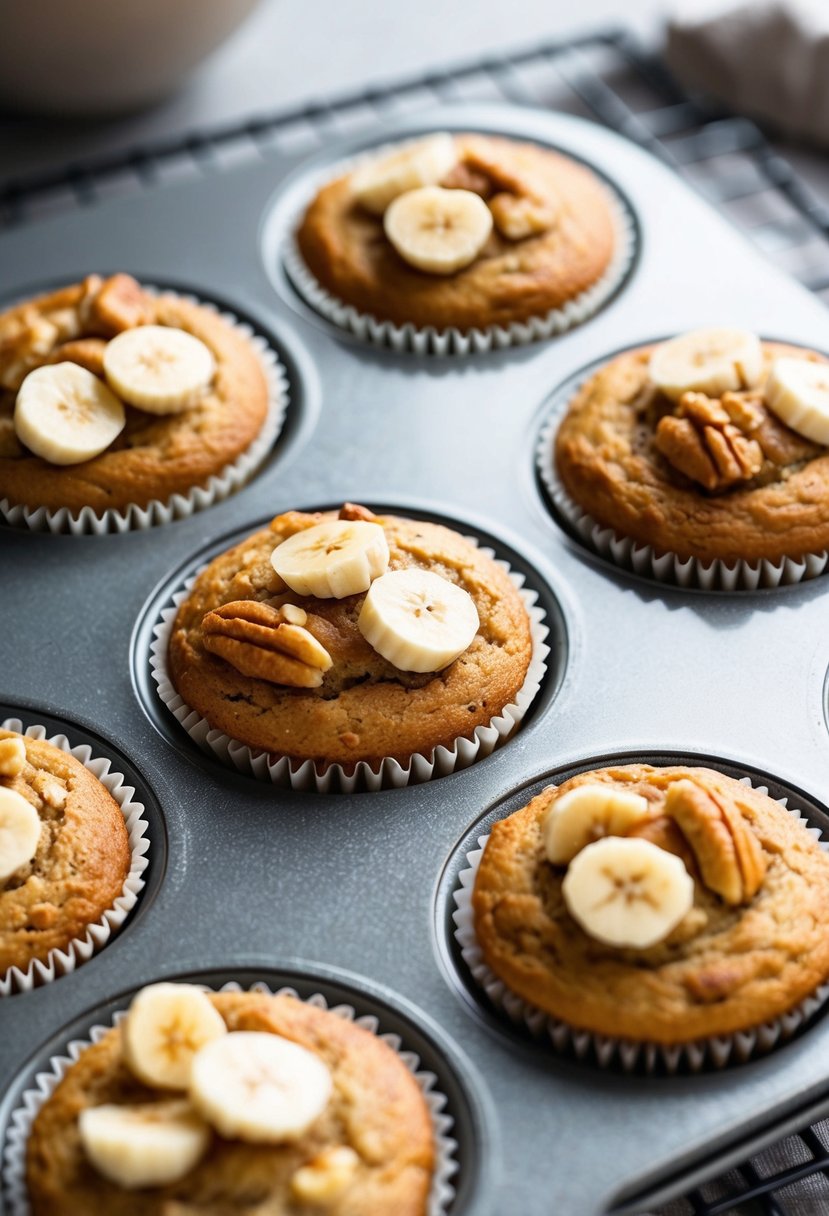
730 858
517 216
120 303
703 441
260 641
293 614
12 757
86 352
352 510
25 341
327 1176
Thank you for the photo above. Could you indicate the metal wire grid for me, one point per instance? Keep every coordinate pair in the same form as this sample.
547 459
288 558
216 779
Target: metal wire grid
603 76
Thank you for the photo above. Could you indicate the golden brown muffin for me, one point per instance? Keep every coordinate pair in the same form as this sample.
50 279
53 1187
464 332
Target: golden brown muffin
155 456
726 967
511 280
364 708
82 858
621 454
376 1109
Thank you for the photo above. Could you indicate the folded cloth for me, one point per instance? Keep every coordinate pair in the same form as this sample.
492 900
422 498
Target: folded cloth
768 58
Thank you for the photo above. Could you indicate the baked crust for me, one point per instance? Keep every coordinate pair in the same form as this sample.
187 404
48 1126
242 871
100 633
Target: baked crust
607 459
82 859
722 970
155 456
376 1109
365 709
346 249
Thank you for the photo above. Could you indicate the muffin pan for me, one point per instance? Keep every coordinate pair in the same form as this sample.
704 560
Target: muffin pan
277 881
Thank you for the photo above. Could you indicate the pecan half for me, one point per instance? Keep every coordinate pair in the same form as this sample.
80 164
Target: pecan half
710 441
266 643
730 858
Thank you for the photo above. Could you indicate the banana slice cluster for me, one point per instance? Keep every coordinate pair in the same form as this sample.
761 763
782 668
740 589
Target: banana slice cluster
415 619
66 415
717 361
622 890
246 1085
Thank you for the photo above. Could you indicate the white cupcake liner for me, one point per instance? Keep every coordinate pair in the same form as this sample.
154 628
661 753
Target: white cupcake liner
390 774
180 506
61 962
632 1055
20 1124
453 341
665 567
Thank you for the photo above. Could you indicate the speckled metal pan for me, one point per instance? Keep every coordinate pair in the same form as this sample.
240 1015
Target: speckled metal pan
353 882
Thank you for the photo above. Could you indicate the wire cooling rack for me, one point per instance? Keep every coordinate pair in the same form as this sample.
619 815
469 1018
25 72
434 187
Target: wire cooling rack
606 77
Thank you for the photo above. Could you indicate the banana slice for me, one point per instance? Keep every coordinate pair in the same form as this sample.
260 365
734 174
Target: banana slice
423 163
149 1145
332 560
418 620
627 892
259 1087
157 368
436 230
798 393
711 361
165 1027
66 415
19 832
585 814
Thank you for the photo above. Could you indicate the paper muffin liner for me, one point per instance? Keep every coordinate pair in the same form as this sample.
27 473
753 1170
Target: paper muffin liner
20 1124
180 506
632 1055
390 774
61 962
664 566
453 341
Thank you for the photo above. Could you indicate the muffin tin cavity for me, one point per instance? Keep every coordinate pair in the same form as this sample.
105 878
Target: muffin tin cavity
288 401
611 548
148 841
190 735
531 1029
462 1123
295 283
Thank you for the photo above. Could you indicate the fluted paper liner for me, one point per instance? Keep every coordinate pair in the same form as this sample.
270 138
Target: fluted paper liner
20 1124
180 506
453 341
716 1051
391 774
666 567
61 962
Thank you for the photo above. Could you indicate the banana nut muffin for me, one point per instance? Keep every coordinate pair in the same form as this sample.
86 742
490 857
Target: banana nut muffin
680 904
705 447
463 231
369 1148
298 673
73 434
64 849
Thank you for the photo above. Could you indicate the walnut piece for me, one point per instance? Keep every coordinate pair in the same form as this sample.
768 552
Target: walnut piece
517 217
352 510
710 440
266 643
521 207
86 352
12 756
120 303
730 858
327 1176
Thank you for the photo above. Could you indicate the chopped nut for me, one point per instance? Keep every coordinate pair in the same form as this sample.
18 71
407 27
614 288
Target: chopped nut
121 303
293 614
349 739
517 217
260 641
86 352
464 177
12 756
54 794
352 510
730 858
327 1176
26 338
702 441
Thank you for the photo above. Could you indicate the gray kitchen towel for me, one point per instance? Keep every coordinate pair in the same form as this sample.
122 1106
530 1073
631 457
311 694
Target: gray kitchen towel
768 58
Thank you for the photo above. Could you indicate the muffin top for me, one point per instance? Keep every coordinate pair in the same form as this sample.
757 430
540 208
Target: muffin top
680 904
436 642
64 861
462 231
280 1103
705 446
110 395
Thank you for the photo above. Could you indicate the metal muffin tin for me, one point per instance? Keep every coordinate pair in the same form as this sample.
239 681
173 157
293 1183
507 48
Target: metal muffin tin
276 883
